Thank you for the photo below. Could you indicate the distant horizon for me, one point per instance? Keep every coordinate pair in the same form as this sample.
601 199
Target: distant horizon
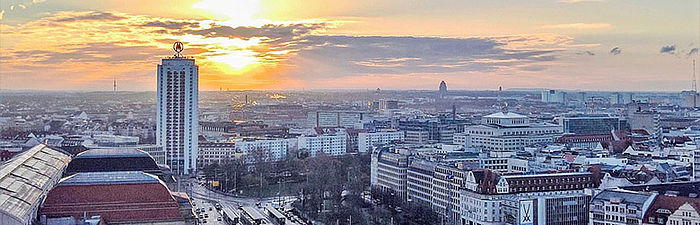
344 90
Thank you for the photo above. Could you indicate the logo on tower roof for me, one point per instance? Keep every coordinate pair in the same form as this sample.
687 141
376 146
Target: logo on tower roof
178 47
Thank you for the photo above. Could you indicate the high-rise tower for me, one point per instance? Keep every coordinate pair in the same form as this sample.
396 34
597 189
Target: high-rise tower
178 111
442 92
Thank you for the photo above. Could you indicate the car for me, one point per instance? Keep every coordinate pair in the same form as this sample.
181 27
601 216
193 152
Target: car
219 219
206 215
217 206
210 208
205 221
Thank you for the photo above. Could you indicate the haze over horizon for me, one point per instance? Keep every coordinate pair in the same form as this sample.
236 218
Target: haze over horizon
597 45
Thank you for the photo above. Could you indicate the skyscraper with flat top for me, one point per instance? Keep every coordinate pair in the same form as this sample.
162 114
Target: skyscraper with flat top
178 111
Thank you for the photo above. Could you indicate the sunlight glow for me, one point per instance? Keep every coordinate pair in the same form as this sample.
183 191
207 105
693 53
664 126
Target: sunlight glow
238 12
236 60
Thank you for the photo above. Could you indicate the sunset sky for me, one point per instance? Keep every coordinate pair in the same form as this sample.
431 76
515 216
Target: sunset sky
356 44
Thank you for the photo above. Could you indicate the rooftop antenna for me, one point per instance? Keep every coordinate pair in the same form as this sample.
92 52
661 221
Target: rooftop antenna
695 85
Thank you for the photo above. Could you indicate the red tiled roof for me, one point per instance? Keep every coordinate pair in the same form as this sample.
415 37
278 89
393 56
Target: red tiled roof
671 203
138 202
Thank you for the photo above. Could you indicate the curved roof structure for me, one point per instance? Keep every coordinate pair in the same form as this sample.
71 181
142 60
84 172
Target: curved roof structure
25 179
118 197
115 159
112 153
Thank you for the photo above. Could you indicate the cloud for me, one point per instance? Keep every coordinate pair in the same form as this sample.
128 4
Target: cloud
86 16
669 49
353 55
133 44
693 51
615 51
269 31
578 26
589 53
171 24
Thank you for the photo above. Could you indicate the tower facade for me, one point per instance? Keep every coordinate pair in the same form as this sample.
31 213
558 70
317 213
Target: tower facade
178 111
442 92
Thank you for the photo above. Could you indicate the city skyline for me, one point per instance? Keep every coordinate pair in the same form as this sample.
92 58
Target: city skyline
280 45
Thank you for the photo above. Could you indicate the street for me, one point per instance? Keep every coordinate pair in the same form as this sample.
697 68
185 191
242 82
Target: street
206 199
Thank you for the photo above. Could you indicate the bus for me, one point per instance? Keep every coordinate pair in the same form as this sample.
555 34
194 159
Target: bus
275 214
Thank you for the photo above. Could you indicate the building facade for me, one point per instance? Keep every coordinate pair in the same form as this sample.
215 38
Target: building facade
365 141
330 141
177 113
589 123
618 207
215 153
507 131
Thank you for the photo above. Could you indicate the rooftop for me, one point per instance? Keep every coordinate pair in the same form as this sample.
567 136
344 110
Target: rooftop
121 177
112 153
624 196
27 177
505 115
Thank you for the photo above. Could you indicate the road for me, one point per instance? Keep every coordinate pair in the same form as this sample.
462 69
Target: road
207 198
212 215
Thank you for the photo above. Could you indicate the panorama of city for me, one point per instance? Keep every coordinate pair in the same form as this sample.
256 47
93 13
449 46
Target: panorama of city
363 112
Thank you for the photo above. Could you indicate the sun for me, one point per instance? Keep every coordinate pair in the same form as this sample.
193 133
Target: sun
231 54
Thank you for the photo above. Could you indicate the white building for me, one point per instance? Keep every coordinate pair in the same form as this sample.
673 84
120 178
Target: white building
389 173
347 119
553 96
215 153
685 214
269 149
505 131
331 141
366 141
619 207
177 125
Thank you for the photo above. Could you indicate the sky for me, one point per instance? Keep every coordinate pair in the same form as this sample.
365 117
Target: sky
599 45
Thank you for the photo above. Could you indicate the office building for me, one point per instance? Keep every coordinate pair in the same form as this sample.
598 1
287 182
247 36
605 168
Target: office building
266 149
553 96
554 208
389 173
366 141
331 141
386 104
620 207
555 198
506 131
589 123
178 112
215 153
429 130
345 119
419 183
